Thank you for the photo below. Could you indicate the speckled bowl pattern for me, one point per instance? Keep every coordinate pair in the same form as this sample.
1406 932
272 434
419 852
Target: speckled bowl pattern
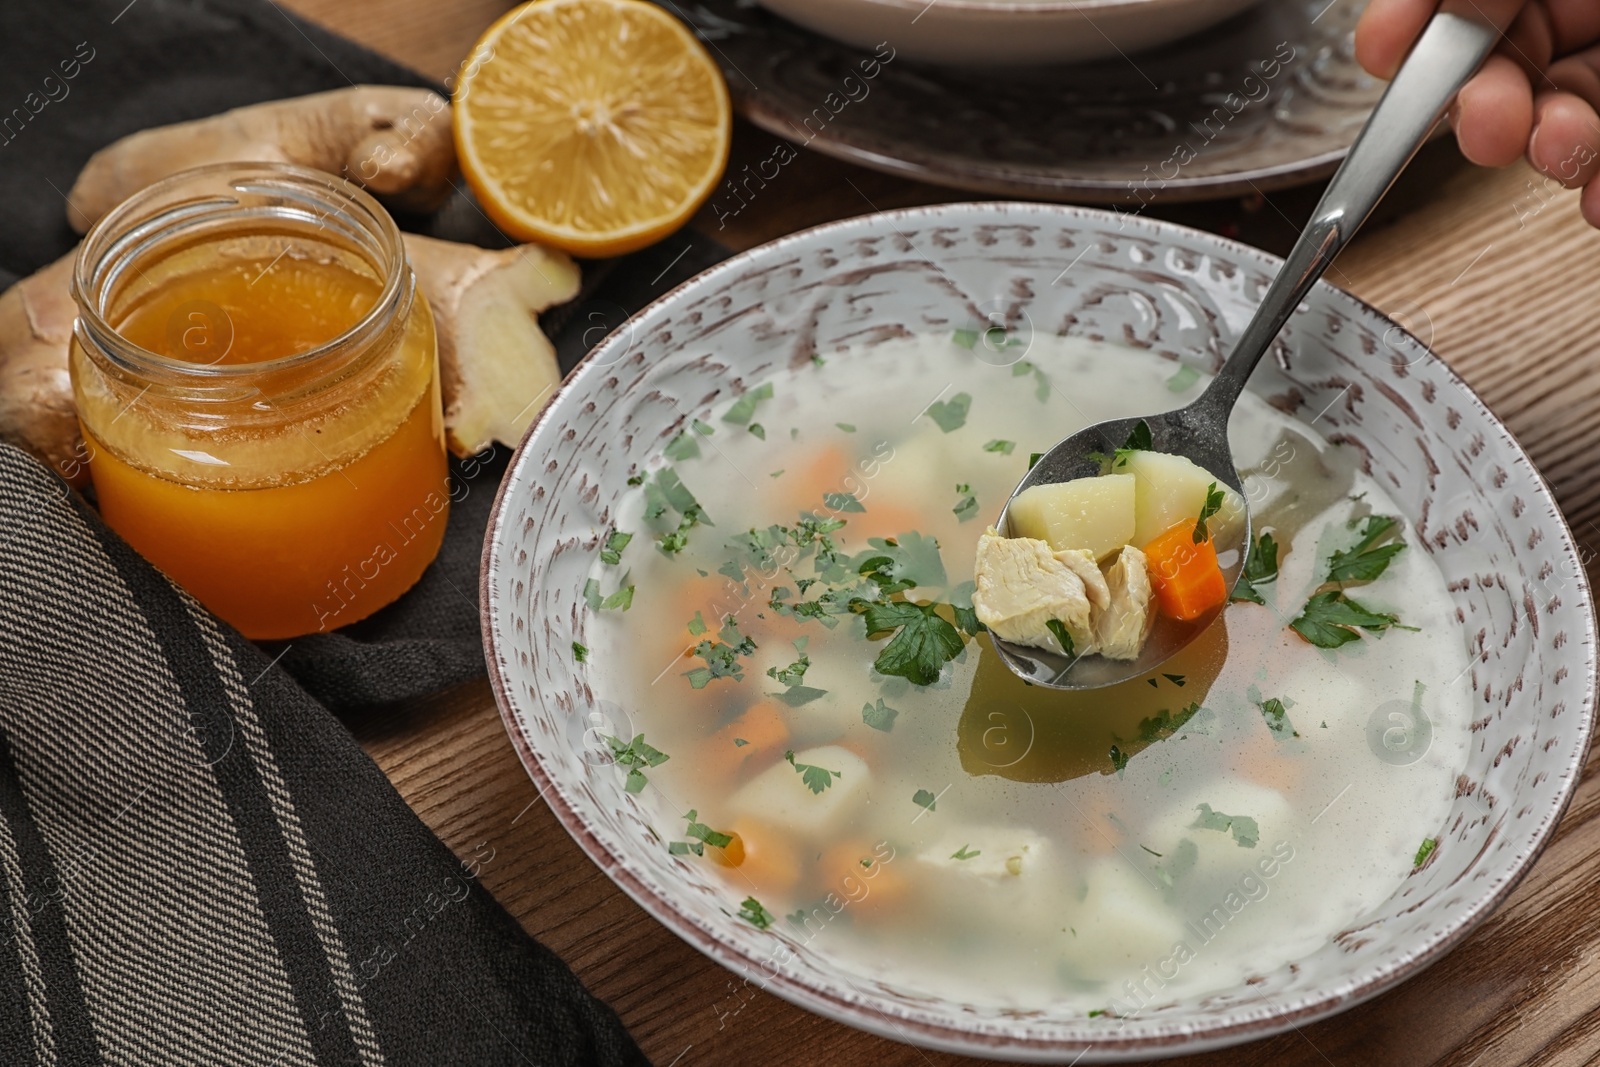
1467 487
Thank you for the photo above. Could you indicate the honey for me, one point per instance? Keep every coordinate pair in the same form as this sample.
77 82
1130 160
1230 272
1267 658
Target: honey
259 397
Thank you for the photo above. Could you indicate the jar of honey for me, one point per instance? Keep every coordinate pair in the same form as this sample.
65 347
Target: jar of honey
257 385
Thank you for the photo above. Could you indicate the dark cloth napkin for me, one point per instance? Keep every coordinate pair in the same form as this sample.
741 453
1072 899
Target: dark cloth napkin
198 864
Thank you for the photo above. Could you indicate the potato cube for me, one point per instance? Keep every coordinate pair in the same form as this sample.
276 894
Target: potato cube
1097 514
1172 489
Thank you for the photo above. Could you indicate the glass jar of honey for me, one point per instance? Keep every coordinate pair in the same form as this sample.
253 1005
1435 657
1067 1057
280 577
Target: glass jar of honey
257 385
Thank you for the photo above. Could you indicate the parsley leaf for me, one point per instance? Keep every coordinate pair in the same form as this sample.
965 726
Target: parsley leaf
721 656
1331 619
682 447
703 833
795 694
842 502
1165 723
951 414
580 653
1260 568
635 755
1424 851
759 430
816 778
753 913
1033 459
739 742
1139 439
1119 759
846 427
744 409
924 799
1212 505
1244 829
967 507
1277 717
793 673
615 543
965 338
1182 378
1367 559
879 716
1005 448
922 644
962 853
697 625
1059 628
622 598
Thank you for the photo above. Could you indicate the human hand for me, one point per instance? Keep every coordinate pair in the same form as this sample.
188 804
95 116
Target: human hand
1538 95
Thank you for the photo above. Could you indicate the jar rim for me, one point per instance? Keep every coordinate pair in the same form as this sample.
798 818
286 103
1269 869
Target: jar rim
154 208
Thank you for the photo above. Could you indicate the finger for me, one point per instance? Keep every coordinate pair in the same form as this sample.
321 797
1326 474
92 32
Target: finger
1566 138
1531 42
1579 75
1590 204
1388 29
1386 32
1574 24
1493 115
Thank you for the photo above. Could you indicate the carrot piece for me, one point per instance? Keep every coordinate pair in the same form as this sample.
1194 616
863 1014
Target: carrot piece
857 871
1186 576
760 726
767 858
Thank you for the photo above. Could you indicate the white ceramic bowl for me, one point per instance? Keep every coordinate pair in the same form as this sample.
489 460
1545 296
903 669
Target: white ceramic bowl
1463 482
1008 32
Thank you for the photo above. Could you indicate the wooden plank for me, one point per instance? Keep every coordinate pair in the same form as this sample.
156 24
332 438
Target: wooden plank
1493 269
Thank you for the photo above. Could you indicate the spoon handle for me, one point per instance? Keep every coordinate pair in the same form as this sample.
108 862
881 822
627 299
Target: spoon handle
1450 50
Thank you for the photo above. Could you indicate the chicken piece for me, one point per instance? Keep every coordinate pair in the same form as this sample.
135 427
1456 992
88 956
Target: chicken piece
1021 587
1082 562
1121 630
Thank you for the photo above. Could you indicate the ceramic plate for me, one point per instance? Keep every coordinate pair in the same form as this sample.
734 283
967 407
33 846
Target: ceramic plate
1461 481
1270 98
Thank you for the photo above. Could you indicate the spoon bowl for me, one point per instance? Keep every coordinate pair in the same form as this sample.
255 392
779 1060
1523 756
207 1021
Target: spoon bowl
1199 433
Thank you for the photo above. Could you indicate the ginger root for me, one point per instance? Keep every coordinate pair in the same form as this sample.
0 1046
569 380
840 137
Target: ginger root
393 141
36 409
496 367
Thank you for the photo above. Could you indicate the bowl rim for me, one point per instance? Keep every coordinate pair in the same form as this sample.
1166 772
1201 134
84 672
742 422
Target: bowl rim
953 1038
1081 8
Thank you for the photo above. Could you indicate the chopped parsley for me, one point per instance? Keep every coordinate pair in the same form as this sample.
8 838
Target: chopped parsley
922 644
1176 679
580 653
1244 829
1366 560
752 912
615 543
842 502
924 799
951 414
1005 448
622 598
759 430
1119 759
1139 440
1059 628
879 716
1041 388
744 409
965 338
1331 619
1166 723
1277 717
967 507
1182 378
665 492
791 677
702 834
1033 459
682 447
739 742
697 625
1424 851
635 755
847 427
721 656
815 778
1212 505
1260 568
962 853
636 479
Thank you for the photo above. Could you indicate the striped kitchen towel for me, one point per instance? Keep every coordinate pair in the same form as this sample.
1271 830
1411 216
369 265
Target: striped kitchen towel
198 865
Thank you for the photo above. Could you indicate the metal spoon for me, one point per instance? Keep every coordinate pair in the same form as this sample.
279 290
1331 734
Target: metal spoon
1450 50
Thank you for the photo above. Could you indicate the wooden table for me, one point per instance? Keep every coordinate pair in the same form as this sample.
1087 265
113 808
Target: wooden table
1494 269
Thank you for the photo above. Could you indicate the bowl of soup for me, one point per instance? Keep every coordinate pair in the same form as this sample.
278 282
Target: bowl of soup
728 597
1008 33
